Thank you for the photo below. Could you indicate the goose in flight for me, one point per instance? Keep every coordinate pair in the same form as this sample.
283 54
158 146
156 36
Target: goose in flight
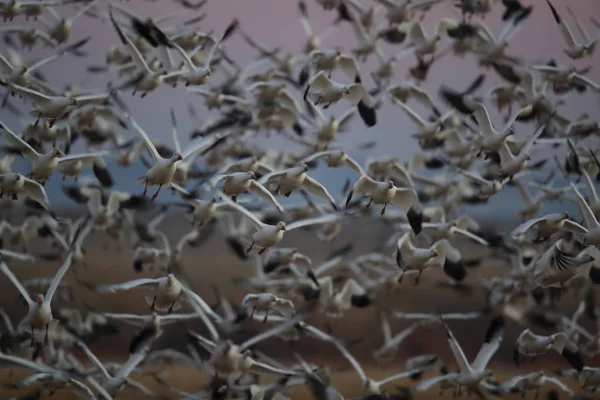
575 49
44 165
293 178
266 235
531 345
163 170
39 316
387 193
13 183
54 107
265 302
472 374
237 183
167 291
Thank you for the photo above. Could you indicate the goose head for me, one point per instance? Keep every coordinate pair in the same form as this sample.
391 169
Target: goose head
170 279
40 299
176 157
280 226
390 184
56 152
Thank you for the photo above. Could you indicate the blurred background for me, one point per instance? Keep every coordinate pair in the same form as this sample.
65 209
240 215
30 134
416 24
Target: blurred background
276 23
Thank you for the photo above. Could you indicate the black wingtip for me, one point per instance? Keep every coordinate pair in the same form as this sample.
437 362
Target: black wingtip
311 275
516 356
138 265
241 316
455 270
494 329
139 339
304 74
416 375
367 114
554 12
361 300
574 359
415 220
237 247
594 275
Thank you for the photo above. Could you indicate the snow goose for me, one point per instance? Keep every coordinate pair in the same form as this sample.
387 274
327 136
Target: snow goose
267 236
11 184
575 50
407 90
385 193
471 375
427 44
163 170
424 362
237 183
291 179
327 128
62 30
532 345
313 41
148 79
490 139
487 188
22 74
410 257
55 107
327 92
592 226
399 12
285 257
328 60
335 301
369 386
511 164
201 211
429 131
109 386
334 159
391 343
39 315
167 291
47 376
190 73
548 225
265 302
103 214
556 266
151 325
531 382
229 359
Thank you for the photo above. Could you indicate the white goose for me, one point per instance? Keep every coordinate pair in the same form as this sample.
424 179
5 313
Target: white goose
237 183
266 236
190 73
163 170
328 92
575 50
44 165
167 291
470 374
12 184
39 316
387 193
293 178
54 107
592 226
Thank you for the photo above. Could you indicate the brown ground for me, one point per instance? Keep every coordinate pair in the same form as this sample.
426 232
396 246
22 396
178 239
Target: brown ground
214 263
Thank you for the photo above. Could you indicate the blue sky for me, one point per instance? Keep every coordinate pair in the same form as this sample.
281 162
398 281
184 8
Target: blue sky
275 23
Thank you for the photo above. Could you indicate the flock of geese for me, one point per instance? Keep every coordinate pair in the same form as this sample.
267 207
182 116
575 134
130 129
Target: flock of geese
224 181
